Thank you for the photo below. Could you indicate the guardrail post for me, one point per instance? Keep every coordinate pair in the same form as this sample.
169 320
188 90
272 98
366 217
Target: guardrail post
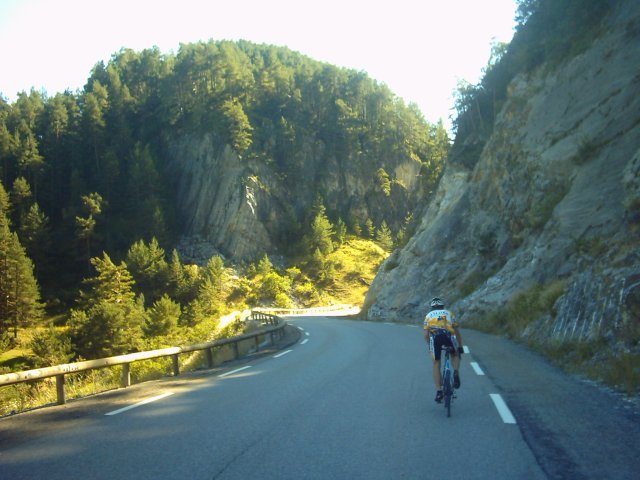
209 357
60 381
257 340
176 365
236 350
126 374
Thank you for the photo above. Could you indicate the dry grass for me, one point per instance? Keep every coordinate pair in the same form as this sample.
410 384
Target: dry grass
357 262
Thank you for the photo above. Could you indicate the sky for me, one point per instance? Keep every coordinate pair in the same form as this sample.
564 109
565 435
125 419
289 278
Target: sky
419 48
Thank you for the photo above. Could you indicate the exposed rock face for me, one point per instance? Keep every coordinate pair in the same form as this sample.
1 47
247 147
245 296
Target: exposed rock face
243 208
554 195
218 202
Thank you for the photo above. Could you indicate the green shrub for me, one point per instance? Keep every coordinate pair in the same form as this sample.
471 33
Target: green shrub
151 369
597 360
50 347
541 211
523 309
623 372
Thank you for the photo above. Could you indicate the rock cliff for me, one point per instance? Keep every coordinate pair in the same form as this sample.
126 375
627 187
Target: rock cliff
242 208
553 197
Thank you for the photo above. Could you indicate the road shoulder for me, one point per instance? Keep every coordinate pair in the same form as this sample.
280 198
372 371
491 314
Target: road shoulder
575 428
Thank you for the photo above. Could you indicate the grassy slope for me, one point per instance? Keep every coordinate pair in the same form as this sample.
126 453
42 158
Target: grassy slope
357 262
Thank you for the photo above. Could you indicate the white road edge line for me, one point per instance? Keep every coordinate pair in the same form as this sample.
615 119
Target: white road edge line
304 341
139 404
476 368
503 410
234 371
282 353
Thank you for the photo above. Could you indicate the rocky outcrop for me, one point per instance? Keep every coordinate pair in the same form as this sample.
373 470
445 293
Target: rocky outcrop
242 208
218 201
554 197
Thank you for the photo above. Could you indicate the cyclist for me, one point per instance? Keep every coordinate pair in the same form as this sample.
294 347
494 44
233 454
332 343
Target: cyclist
440 329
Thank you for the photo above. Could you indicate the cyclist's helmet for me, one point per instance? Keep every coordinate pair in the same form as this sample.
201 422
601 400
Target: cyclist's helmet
437 303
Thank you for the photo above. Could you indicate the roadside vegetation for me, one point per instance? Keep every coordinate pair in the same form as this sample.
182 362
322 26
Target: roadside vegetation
522 319
152 300
88 217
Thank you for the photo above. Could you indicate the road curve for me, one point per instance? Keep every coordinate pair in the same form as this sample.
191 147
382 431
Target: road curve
350 400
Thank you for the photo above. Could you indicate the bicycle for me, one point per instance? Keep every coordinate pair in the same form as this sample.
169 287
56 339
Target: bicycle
447 379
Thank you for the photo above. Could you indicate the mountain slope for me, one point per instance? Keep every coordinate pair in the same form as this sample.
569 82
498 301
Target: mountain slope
548 213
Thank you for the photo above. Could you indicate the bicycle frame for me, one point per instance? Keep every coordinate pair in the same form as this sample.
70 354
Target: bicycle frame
447 379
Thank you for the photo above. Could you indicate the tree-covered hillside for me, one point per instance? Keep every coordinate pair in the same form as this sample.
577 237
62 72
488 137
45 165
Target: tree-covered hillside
86 172
92 206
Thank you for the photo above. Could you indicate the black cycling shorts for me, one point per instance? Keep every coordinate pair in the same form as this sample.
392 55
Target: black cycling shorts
439 339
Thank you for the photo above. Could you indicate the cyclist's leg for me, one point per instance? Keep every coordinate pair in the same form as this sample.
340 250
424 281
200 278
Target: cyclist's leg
437 375
435 347
436 352
455 361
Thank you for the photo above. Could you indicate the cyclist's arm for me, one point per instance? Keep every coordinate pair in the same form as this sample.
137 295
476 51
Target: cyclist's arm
427 333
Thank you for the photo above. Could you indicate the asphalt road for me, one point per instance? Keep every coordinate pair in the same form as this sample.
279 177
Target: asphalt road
349 399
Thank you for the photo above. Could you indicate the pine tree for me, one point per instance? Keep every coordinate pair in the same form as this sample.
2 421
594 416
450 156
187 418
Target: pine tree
175 275
368 230
264 266
149 269
163 317
322 268
112 283
341 232
383 182
20 200
34 235
109 321
209 297
214 269
384 238
321 233
19 292
212 277
4 203
238 125
93 204
30 159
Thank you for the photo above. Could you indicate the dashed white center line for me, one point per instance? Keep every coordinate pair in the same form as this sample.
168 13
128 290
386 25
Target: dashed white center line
139 404
306 333
465 349
503 410
234 371
282 353
304 341
476 368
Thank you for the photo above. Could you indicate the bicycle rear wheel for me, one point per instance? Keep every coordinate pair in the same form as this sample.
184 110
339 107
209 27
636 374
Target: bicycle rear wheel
447 386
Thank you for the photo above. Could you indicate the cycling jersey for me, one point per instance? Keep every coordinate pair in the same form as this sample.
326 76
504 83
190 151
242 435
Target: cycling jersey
442 326
440 319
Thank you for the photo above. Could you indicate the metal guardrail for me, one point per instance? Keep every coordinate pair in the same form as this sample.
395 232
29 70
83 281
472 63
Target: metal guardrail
275 325
335 309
